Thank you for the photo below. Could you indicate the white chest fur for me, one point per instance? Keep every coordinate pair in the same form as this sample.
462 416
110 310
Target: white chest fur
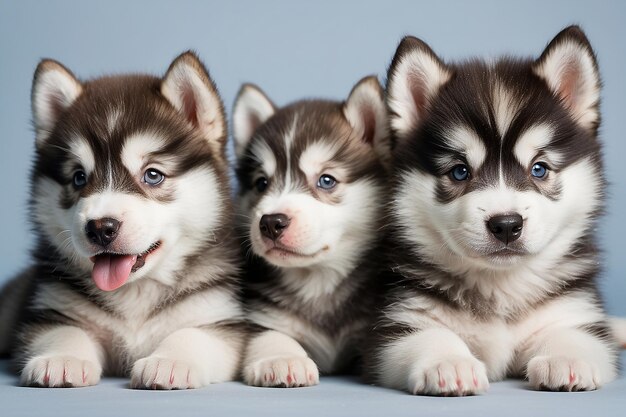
496 340
136 327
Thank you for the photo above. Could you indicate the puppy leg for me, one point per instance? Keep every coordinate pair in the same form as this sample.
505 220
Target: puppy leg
569 359
434 361
190 358
62 356
274 359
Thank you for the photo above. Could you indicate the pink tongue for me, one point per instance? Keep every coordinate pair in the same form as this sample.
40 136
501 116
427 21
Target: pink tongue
111 271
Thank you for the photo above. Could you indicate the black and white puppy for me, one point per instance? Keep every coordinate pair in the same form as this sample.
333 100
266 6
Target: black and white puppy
312 190
498 187
136 266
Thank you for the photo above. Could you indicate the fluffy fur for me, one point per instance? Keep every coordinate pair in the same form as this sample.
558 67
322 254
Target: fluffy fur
312 184
498 184
129 171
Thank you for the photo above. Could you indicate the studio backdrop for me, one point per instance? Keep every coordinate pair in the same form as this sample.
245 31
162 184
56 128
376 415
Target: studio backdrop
292 49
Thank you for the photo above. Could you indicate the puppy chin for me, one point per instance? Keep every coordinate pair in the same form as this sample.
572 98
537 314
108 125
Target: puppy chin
283 256
494 259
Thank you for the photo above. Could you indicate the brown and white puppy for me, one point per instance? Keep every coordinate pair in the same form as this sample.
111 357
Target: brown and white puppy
312 188
135 268
498 187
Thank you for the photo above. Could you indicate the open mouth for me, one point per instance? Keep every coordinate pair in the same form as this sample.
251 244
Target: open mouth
112 270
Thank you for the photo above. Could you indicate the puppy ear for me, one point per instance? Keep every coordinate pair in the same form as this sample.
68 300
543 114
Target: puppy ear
189 88
415 76
365 111
568 65
252 108
54 89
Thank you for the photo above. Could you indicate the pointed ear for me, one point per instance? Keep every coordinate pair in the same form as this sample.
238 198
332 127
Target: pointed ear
252 108
365 111
415 76
54 89
568 65
189 88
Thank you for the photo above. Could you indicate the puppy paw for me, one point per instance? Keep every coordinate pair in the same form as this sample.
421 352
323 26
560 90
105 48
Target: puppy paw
60 371
560 373
453 376
162 373
282 372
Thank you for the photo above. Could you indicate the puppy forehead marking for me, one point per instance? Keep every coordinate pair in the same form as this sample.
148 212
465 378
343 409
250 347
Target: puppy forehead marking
466 141
505 107
79 148
315 157
290 134
137 147
113 118
289 138
263 154
533 140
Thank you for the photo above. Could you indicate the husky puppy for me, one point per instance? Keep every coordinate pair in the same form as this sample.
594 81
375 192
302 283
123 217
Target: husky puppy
135 268
312 188
498 186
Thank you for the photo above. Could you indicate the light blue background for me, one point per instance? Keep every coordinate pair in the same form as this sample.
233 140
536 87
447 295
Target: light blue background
292 50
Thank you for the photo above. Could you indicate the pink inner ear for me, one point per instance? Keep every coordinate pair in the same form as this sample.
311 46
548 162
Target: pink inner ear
56 103
254 121
190 106
568 85
417 86
369 124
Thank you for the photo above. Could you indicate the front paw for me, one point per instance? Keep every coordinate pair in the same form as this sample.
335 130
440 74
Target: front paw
561 373
60 371
161 373
282 372
453 376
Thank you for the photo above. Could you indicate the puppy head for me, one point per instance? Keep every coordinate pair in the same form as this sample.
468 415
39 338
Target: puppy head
130 175
498 164
311 175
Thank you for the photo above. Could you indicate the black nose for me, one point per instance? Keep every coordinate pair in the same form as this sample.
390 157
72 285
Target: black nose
506 228
102 231
272 225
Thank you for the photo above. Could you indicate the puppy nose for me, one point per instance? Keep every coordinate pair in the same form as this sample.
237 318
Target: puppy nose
272 225
507 227
102 231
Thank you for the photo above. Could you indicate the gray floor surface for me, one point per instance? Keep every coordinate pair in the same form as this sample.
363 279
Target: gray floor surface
335 396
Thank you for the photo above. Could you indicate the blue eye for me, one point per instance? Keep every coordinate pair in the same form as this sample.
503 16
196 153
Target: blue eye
326 182
79 180
261 184
460 173
153 177
539 170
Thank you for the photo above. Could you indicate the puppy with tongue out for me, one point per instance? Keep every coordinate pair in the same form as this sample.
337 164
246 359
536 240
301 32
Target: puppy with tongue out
112 271
135 269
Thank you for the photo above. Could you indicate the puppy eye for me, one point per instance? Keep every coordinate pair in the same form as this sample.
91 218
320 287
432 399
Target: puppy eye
80 179
460 173
261 184
539 170
326 182
153 177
